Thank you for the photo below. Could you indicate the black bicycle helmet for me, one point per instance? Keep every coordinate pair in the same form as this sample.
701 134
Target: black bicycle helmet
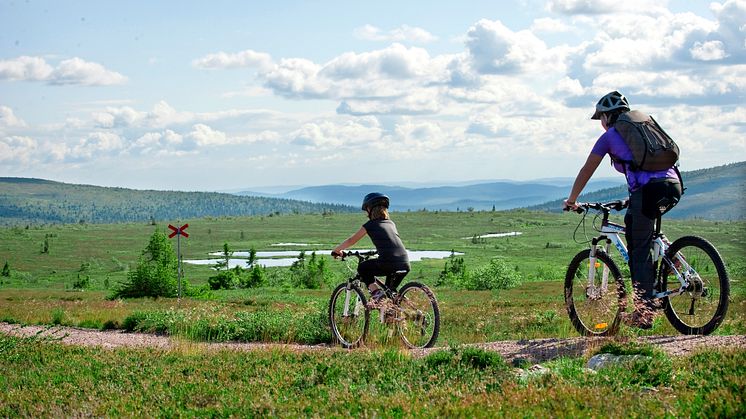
373 199
611 101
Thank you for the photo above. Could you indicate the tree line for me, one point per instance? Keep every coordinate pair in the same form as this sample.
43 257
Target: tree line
39 201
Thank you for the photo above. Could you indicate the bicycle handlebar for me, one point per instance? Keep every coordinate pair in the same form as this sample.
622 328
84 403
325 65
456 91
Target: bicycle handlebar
606 207
360 255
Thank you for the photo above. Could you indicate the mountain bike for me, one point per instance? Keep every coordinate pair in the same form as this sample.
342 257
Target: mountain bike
412 311
692 285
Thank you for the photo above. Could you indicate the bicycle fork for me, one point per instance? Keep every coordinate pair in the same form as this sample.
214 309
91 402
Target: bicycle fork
593 292
358 303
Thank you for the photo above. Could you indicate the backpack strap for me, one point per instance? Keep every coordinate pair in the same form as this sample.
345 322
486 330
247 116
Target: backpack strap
681 179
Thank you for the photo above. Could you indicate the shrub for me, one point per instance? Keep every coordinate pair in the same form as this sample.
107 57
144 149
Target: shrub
223 280
256 277
496 275
454 271
156 272
82 282
309 275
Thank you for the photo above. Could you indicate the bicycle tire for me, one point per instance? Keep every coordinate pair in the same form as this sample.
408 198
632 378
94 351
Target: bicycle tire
351 329
420 325
709 291
598 315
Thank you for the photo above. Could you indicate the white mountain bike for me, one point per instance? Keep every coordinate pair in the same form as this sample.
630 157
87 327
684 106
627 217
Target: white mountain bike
692 282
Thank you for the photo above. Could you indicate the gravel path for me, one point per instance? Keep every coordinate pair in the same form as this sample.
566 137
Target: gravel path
536 350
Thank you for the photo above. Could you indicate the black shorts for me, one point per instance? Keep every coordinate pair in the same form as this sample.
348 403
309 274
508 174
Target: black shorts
659 196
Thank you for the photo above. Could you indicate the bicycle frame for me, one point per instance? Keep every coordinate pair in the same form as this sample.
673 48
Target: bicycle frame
610 233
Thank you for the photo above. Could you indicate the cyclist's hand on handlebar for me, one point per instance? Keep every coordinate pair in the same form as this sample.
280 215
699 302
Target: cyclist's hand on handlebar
338 254
571 206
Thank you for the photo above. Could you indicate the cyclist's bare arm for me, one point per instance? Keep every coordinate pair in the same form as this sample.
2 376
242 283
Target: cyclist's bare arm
350 241
590 166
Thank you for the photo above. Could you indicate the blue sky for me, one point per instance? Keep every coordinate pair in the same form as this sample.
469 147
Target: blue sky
226 95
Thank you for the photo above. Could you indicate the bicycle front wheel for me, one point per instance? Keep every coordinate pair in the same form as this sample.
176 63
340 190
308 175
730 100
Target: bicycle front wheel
702 305
594 294
348 316
419 322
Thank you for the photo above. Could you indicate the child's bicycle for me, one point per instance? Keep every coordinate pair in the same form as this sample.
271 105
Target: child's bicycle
691 285
412 311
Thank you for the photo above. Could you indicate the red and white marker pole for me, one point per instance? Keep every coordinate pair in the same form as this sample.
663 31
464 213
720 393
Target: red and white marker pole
178 232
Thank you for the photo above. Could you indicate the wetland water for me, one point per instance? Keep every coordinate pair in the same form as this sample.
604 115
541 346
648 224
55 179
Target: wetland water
287 257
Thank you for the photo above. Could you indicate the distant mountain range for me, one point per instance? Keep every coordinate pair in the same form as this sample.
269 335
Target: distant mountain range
500 195
717 193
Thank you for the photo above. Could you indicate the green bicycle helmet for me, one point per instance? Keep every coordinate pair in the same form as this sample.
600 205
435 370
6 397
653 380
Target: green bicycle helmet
373 199
611 101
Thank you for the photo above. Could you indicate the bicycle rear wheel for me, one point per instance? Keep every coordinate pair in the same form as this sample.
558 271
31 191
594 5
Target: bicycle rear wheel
594 310
701 308
419 323
348 316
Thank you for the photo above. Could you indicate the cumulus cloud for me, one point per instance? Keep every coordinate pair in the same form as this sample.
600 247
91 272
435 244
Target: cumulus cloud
95 144
242 59
333 135
403 33
17 149
495 49
8 119
599 7
25 68
708 51
74 71
549 25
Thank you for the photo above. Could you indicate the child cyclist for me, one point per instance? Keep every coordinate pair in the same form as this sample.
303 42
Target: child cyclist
392 256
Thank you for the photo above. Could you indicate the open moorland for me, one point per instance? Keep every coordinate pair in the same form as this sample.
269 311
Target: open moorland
65 275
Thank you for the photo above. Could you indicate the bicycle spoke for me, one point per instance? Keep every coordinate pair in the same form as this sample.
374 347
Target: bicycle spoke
594 294
418 316
699 309
347 315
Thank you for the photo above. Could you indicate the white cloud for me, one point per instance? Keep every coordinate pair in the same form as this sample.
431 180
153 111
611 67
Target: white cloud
8 119
17 149
78 71
403 33
598 7
708 51
495 49
246 58
25 68
549 25
333 135
204 136
73 71
95 144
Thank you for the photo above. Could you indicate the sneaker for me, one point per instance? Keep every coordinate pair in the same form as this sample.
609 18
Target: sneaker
640 319
377 300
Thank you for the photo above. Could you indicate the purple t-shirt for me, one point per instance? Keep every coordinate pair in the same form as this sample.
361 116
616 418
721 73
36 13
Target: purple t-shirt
613 144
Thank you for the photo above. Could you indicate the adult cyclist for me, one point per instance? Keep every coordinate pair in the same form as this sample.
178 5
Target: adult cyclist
651 195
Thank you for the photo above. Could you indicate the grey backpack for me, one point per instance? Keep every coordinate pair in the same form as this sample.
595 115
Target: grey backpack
652 148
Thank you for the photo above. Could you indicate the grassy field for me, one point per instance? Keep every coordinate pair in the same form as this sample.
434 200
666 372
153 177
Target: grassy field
39 288
44 378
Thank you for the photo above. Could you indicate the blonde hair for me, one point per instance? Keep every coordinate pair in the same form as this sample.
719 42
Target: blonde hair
379 212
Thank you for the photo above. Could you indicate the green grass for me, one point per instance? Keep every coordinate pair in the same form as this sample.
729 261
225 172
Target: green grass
50 379
40 287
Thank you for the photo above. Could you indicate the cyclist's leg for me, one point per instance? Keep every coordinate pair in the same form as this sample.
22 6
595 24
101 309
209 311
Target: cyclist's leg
368 270
639 234
394 279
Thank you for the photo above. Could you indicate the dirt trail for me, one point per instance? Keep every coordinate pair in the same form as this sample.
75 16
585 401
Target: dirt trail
536 350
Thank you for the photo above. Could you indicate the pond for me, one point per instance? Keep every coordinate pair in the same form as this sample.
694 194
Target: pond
492 235
287 257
